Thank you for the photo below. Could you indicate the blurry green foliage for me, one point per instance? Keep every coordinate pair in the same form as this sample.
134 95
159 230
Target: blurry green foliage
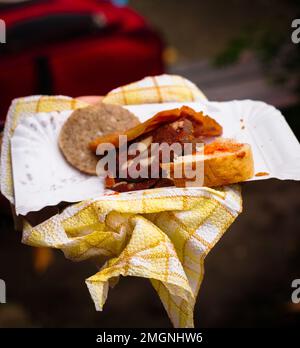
271 42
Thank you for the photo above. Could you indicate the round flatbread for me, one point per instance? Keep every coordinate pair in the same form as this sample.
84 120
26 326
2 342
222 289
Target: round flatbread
86 124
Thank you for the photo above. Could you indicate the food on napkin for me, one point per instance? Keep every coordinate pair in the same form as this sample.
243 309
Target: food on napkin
163 234
85 124
224 161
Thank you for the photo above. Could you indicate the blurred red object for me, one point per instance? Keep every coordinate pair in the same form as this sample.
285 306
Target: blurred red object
73 47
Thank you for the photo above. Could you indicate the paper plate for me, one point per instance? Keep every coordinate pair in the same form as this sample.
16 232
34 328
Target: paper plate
42 177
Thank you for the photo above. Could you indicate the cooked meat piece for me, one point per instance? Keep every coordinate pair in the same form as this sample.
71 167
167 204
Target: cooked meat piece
204 126
180 131
179 126
164 182
123 186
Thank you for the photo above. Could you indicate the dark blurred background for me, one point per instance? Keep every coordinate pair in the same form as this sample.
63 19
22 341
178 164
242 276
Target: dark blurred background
231 50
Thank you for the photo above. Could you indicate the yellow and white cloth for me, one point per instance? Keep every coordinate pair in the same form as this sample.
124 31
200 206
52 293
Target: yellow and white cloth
162 234
156 89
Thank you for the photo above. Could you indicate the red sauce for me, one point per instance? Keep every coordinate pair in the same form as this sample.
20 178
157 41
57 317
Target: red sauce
211 148
261 174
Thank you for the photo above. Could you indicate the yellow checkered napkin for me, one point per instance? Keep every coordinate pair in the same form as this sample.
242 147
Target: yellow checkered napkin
156 89
161 234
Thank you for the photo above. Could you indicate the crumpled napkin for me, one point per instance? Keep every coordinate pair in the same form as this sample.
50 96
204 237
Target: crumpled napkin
162 234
